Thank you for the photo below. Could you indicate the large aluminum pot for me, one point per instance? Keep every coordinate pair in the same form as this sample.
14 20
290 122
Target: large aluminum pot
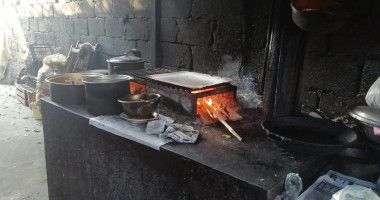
68 88
126 62
103 91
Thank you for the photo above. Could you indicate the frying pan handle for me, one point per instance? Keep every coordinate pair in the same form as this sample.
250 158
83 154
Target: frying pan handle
275 137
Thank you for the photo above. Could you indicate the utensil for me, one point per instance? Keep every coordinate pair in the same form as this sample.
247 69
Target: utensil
320 16
191 80
102 93
139 121
126 62
139 106
68 88
368 117
309 135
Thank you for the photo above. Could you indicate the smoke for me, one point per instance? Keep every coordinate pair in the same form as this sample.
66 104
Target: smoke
246 95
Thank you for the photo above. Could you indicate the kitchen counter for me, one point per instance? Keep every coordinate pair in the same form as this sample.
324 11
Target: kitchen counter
84 162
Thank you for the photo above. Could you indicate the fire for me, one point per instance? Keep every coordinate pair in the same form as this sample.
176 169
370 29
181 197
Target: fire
209 110
207 89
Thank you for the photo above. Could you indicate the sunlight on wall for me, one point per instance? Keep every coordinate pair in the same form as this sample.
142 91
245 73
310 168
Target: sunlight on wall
11 34
138 4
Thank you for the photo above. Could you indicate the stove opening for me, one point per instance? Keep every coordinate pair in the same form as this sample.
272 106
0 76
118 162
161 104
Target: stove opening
214 108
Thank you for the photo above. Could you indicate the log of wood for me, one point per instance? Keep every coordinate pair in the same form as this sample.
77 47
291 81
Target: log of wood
233 115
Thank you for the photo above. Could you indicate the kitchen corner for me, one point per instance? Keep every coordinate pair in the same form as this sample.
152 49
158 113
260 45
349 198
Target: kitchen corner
83 161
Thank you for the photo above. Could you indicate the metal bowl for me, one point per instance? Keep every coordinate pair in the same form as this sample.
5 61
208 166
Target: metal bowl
139 106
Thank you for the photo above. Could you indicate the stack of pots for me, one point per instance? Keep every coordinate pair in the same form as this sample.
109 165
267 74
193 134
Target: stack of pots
99 92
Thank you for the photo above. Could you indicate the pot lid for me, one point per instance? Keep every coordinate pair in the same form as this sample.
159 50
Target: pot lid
366 114
124 59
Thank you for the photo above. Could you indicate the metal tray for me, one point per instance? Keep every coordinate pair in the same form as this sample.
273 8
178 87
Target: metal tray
191 80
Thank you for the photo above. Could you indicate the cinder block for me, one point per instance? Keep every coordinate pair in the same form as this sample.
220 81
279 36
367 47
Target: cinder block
142 8
103 8
205 9
175 9
122 8
86 9
169 30
33 23
122 46
371 73
204 59
80 26
24 24
146 49
55 25
96 26
44 38
58 9
107 44
340 74
91 39
176 55
47 10
69 26
37 11
137 29
43 25
194 32
114 27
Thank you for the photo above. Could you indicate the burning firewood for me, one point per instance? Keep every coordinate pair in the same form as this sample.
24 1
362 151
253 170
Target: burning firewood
233 115
215 114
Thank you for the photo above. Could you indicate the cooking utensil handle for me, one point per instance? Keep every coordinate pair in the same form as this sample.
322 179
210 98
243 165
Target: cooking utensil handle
274 137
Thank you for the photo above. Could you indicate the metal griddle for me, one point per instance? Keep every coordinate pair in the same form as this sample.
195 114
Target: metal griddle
190 80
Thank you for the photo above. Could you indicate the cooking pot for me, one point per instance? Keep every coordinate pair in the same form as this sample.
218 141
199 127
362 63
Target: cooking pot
68 88
309 135
103 91
320 16
368 117
126 62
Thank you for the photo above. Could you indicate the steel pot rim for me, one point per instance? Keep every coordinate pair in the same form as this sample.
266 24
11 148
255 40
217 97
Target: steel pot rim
50 79
107 79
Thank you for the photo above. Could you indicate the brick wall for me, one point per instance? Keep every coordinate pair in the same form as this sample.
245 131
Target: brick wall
340 67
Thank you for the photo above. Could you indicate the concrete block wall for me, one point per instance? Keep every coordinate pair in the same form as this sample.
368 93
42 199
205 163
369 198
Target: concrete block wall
117 25
196 34
340 67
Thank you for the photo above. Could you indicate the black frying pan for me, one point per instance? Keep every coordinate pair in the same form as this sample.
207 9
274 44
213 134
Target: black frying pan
309 135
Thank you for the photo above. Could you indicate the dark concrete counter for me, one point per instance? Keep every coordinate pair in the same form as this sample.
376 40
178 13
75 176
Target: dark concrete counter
84 162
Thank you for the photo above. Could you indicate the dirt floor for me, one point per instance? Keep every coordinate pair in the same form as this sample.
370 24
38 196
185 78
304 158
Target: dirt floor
22 157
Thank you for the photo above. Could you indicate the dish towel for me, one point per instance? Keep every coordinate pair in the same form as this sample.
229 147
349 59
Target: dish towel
135 132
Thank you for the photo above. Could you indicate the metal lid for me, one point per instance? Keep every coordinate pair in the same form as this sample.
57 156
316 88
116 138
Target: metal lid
104 79
366 114
124 59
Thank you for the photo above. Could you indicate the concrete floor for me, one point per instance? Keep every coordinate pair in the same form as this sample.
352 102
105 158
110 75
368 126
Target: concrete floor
22 157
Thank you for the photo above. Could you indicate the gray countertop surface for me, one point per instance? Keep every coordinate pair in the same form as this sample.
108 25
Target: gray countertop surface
256 161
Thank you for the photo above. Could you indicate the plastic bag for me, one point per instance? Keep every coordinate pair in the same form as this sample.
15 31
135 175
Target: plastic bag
355 192
373 95
52 65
